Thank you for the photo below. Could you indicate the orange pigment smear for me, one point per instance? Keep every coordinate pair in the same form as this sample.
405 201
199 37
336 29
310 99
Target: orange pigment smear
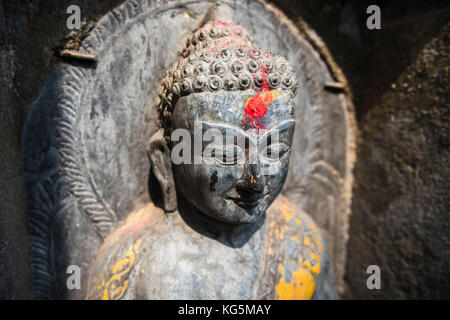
256 106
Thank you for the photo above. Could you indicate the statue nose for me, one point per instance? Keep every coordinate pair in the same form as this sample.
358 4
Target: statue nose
251 182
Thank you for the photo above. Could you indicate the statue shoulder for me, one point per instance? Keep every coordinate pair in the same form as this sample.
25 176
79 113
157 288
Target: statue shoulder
297 244
115 269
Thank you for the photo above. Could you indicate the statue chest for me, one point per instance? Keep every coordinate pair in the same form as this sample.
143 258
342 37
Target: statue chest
182 267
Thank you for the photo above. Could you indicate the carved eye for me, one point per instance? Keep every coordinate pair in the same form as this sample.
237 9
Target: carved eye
229 155
275 152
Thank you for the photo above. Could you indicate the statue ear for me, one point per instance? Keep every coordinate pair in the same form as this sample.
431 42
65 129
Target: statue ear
159 155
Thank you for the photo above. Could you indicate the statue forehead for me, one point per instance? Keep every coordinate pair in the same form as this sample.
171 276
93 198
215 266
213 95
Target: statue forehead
230 107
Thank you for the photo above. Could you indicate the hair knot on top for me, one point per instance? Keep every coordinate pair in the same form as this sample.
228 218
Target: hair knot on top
221 56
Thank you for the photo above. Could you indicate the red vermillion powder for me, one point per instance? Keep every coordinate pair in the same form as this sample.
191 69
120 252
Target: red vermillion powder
256 106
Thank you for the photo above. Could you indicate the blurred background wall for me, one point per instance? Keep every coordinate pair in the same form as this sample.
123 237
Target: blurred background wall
399 77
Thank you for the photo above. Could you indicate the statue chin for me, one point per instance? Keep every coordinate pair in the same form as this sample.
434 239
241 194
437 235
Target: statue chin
229 210
216 206
225 202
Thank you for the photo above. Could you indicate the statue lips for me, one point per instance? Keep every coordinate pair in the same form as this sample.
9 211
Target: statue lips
248 202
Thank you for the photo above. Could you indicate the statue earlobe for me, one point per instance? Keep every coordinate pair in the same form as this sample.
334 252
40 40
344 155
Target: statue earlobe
159 155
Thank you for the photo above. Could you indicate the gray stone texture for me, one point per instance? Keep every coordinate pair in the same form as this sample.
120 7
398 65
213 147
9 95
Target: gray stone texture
371 60
400 198
84 153
29 32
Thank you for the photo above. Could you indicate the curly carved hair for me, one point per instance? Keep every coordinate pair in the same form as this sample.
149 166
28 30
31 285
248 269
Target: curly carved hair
221 56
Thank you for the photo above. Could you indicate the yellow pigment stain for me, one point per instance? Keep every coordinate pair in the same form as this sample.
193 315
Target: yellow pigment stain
301 286
314 269
307 241
287 212
302 283
280 268
114 288
318 244
315 256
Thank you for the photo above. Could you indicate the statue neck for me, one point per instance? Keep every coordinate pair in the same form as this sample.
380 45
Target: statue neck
229 234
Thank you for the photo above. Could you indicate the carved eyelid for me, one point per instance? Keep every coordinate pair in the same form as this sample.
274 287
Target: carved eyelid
284 125
284 154
235 158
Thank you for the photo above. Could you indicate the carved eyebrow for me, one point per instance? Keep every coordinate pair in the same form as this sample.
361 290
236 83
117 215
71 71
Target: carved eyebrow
208 125
224 127
283 126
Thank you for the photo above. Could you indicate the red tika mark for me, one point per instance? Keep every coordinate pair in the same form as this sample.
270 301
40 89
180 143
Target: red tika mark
256 106
219 22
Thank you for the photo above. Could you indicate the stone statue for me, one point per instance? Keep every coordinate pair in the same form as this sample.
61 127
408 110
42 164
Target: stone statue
209 168
225 233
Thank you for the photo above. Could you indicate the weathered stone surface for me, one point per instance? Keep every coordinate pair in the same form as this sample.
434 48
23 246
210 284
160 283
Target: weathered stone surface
370 59
98 116
29 32
401 198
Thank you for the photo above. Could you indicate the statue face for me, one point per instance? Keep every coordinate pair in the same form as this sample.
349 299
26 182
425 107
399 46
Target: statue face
239 170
